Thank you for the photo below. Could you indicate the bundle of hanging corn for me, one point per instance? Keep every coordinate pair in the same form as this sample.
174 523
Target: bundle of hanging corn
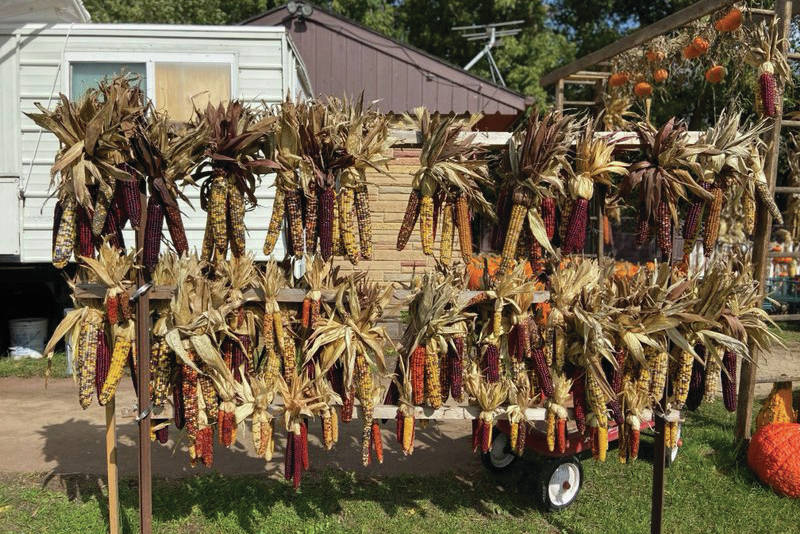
94 189
99 365
165 155
352 338
489 396
257 394
447 181
556 418
433 341
663 177
234 152
280 357
403 396
594 165
523 397
299 403
238 275
533 179
766 54
363 132
730 166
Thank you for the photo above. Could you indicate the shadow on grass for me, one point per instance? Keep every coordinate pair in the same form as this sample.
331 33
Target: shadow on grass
336 478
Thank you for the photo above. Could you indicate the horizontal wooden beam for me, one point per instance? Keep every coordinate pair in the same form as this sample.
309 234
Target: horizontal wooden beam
788 317
286 295
787 190
774 254
640 36
779 378
580 102
790 123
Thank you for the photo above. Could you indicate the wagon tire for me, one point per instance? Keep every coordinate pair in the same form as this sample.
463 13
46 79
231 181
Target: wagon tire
500 457
559 482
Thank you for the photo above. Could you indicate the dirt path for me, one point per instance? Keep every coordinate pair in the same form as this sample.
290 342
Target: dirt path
45 430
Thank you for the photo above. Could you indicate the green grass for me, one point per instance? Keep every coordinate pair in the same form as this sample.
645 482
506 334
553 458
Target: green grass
789 332
709 489
32 368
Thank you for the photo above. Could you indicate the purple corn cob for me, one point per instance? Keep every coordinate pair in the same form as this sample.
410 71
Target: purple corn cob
177 233
152 232
548 208
327 199
697 383
177 400
58 211
85 239
288 466
576 227
128 194
664 236
162 434
455 359
542 371
769 90
579 399
103 361
729 380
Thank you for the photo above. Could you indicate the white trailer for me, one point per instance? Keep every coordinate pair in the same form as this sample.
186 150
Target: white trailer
179 66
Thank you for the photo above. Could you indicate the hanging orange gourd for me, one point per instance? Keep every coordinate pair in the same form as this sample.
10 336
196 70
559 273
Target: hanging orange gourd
715 74
697 48
654 56
643 89
774 456
730 22
660 75
618 79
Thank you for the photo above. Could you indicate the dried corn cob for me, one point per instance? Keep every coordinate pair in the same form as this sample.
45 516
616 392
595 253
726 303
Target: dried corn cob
729 380
444 376
152 234
680 387
426 224
517 219
658 374
464 225
579 401
598 421
377 441
548 212
409 219
348 400
417 369
642 230
119 357
492 362
446 245
129 199
328 222
364 217
664 235
85 240
101 209
205 387
310 217
691 227
575 237
768 89
363 389
88 345
58 211
236 210
161 369
712 223
289 350
275 222
433 388
103 361
502 209
346 206
65 237
217 212
713 368
455 359
294 216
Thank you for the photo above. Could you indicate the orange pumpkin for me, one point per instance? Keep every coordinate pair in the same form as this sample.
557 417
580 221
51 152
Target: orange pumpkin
700 44
778 406
654 56
715 74
660 75
475 270
643 89
691 52
774 456
730 22
618 79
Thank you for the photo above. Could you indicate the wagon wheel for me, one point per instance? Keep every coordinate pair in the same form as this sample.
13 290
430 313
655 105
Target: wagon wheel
559 482
500 458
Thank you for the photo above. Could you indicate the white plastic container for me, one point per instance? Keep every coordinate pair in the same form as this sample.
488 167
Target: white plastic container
27 337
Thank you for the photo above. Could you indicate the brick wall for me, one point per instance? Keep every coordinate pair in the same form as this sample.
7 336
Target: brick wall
388 198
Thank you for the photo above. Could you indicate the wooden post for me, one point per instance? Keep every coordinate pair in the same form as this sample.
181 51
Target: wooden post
659 465
762 234
560 95
111 467
143 383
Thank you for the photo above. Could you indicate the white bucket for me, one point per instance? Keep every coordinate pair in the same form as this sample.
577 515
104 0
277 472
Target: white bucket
27 337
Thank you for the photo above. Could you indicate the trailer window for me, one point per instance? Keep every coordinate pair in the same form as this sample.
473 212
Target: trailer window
180 87
85 75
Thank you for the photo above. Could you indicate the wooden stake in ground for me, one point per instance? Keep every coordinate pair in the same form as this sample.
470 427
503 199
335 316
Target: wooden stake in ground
111 467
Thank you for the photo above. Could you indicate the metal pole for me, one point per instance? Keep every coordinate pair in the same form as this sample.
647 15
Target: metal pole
143 384
761 237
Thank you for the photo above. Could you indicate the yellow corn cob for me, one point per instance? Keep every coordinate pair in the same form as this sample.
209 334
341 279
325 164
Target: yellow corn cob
643 382
160 371
658 374
236 218
275 221
514 435
712 376
749 209
433 387
684 376
88 344
327 431
446 247
345 199
515 222
671 434
289 354
277 321
363 387
426 224
119 356
217 201
462 221
364 218
334 426
551 430
101 206
207 249
65 236
268 331
205 388
598 418
497 321
408 434
335 232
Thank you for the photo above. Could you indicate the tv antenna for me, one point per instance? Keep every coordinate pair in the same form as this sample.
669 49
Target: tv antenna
492 34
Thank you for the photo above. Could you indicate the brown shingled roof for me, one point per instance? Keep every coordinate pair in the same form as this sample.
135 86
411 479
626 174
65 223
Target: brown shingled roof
343 58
